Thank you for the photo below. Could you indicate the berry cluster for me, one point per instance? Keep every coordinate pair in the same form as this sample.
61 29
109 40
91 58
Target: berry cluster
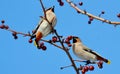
118 15
61 3
100 64
54 39
42 46
86 68
14 34
3 26
90 19
67 40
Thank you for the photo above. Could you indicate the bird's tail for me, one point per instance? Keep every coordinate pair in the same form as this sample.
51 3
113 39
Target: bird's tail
103 59
106 61
38 38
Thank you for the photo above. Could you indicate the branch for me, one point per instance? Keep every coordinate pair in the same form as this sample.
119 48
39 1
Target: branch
45 17
68 54
91 15
63 47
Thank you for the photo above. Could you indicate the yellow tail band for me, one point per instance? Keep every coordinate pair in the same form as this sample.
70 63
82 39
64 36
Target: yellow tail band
108 62
35 43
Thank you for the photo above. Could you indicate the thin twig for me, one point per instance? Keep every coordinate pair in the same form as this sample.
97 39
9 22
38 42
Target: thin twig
21 33
91 15
52 43
65 66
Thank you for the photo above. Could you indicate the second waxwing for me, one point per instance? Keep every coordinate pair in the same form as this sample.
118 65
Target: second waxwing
86 53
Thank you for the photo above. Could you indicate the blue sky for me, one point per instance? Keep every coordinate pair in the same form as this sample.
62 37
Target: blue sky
21 57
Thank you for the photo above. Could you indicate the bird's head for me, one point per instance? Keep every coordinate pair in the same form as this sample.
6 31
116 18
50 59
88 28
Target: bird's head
51 9
76 39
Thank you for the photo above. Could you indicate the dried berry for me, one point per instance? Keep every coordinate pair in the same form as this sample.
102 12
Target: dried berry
15 37
80 3
89 22
100 64
61 3
44 48
30 41
103 12
54 39
118 15
2 21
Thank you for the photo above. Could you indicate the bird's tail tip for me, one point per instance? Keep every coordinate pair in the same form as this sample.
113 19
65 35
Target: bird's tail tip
108 62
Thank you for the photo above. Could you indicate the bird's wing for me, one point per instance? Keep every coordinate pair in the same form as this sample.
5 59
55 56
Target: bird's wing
37 26
90 50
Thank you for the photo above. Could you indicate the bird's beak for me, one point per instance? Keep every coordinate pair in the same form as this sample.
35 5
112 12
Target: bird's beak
53 8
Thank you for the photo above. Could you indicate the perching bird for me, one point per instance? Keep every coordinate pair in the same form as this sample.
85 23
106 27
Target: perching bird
85 53
44 27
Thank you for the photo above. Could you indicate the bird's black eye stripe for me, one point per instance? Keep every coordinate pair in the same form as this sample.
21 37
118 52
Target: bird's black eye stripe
74 40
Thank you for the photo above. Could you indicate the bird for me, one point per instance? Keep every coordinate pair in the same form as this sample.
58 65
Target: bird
85 53
45 26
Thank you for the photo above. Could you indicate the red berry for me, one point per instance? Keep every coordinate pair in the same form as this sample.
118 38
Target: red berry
91 68
83 71
81 3
69 37
69 45
54 39
86 68
30 41
61 3
44 47
2 21
67 41
41 44
118 15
